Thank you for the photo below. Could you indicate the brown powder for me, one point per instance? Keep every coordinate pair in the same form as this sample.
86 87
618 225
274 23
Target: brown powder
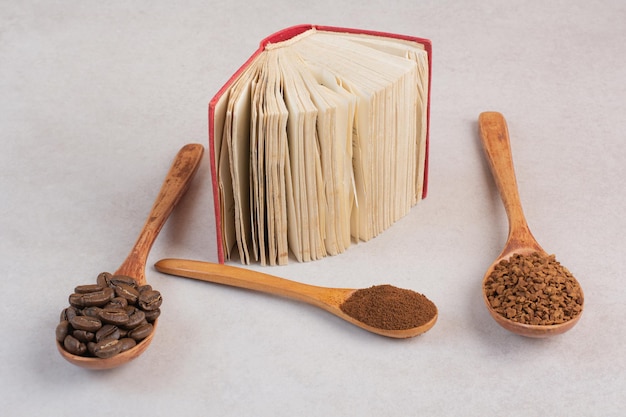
390 308
534 289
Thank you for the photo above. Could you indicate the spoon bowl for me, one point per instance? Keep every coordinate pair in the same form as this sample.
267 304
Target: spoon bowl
175 185
528 330
329 299
495 139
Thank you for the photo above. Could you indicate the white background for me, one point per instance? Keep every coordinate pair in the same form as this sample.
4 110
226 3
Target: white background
97 97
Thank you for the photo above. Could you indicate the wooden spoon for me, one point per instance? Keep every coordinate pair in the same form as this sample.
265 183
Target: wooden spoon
176 183
329 299
495 139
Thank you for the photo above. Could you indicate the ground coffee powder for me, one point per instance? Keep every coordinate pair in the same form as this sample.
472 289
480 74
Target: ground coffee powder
534 289
388 307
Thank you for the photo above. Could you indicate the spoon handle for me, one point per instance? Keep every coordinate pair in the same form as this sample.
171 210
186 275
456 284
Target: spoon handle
174 186
495 139
254 280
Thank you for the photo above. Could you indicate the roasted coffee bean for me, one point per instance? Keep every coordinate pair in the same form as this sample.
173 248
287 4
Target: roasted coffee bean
152 315
117 302
73 345
150 300
141 332
127 343
116 316
83 289
91 311
62 330
91 324
76 300
98 298
84 336
108 317
108 331
104 279
143 288
68 313
135 318
123 279
127 292
137 326
107 348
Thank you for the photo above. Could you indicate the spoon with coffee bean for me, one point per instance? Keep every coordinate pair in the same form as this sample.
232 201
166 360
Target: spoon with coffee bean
382 309
527 291
113 321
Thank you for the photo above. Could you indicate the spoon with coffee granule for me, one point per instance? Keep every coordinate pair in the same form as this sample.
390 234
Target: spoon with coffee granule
174 186
526 291
385 310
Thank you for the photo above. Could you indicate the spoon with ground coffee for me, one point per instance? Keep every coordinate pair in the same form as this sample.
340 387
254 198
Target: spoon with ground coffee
526 290
383 309
174 186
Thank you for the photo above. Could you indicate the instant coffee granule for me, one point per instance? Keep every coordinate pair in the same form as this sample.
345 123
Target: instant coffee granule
534 289
390 308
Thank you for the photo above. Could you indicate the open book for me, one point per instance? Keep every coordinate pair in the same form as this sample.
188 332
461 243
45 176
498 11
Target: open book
318 141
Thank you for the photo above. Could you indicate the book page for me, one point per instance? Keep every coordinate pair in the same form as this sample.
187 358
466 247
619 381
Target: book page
379 153
225 199
259 170
345 105
269 164
334 127
304 162
416 53
236 138
231 147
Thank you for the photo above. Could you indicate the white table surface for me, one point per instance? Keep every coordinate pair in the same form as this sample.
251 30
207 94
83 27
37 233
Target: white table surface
97 97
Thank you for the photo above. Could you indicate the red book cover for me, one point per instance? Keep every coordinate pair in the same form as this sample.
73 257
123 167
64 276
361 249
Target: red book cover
280 36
